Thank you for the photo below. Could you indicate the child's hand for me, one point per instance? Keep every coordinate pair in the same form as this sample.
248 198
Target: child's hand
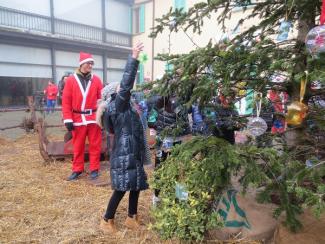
136 50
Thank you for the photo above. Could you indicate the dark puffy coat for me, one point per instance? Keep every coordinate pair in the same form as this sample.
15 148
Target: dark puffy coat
126 160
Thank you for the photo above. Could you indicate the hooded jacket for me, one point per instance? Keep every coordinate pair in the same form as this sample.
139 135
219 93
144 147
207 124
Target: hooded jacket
128 153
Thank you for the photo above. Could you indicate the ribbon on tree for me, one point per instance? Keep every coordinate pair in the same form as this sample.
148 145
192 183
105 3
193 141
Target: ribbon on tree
303 84
322 14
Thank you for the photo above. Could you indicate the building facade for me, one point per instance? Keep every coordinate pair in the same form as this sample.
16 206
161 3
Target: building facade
180 42
40 40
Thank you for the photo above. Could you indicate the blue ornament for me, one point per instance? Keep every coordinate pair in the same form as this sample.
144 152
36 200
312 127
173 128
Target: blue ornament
284 31
278 124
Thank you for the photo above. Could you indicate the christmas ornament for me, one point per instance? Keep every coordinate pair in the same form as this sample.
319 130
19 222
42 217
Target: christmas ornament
279 77
245 105
279 100
143 58
167 144
315 85
181 192
257 126
309 163
284 31
240 137
317 101
241 85
297 111
278 125
315 40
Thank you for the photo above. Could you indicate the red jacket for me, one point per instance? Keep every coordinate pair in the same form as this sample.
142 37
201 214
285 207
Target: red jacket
51 92
76 99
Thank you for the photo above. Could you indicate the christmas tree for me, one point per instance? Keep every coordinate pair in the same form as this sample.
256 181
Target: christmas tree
255 59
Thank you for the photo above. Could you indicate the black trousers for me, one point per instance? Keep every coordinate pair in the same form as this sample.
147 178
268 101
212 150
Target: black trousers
115 201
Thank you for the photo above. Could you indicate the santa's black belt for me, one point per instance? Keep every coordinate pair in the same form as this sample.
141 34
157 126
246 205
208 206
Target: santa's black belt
86 111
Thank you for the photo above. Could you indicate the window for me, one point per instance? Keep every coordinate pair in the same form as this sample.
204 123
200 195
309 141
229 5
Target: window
118 16
180 4
139 19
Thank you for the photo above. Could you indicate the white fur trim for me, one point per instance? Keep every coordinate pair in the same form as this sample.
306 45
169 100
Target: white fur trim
84 97
86 60
67 120
87 123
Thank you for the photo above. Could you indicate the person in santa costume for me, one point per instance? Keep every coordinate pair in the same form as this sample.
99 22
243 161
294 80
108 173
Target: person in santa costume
51 92
79 105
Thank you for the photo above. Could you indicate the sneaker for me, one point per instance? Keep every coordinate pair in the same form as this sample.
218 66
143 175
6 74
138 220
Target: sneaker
94 174
155 200
74 176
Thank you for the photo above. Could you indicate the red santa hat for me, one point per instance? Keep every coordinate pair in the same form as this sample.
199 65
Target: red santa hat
85 57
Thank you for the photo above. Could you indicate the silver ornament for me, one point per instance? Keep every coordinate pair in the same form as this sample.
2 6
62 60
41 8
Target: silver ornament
256 126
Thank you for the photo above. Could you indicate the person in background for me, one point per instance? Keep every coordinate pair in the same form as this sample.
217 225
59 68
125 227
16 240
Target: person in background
129 152
51 91
79 105
61 87
226 123
198 125
172 119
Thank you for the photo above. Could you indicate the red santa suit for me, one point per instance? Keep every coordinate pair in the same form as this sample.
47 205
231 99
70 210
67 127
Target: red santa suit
51 92
79 106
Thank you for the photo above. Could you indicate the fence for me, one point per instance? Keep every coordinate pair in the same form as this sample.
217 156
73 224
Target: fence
32 22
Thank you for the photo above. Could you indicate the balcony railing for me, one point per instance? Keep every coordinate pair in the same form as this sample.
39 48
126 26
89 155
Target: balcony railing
78 31
17 19
38 23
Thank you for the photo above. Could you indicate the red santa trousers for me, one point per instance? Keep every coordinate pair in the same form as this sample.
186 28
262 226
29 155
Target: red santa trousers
79 135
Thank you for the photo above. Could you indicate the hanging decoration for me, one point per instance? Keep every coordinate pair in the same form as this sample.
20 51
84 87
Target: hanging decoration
180 192
315 85
297 111
315 39
279 125
256 125
245 105
284 31
279 100
279 77
317 101
143 58
167 144
241 137
241 86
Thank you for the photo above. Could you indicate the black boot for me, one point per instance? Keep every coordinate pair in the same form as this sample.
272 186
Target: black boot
94 174
74 176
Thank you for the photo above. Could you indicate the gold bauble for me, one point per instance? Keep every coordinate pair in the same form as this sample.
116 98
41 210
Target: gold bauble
296 113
